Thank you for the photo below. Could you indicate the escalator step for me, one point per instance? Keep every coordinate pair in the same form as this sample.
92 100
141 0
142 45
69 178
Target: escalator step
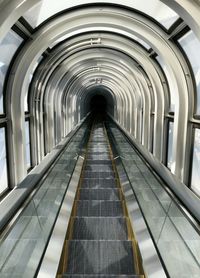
100 257
97 148
99 168
99 208
100 276
98 138
99 194
97 162
100 228
98 145
98 152
98 183
98 156
95 174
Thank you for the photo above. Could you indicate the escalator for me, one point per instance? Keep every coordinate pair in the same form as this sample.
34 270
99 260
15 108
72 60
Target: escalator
78 220
100 240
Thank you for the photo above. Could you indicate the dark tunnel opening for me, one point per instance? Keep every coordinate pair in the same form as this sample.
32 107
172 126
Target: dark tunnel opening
98 105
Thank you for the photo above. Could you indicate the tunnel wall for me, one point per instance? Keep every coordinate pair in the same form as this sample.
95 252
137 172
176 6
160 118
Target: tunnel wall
138 62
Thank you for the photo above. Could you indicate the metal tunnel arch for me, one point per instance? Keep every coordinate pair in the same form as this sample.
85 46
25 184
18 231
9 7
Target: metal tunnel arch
144 68
50 33
146 29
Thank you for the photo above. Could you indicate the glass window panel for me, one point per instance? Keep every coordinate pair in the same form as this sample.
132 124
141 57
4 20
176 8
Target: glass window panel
168 19
32 15
195 184
27 132
191 46
154 8
171 82
8 47
3 162
170 146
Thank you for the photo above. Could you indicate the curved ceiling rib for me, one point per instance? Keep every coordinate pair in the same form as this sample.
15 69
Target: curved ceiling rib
132 65
113 30
140 61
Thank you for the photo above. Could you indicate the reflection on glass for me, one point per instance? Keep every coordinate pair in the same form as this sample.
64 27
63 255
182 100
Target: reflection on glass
27 132
8 47
195 184
191 46
170 146
154 8
3 165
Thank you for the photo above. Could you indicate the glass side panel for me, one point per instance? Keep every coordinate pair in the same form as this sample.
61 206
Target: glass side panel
177 241
170 146
22 247
3 162
191 46
195 183
8 47
27 132
154 8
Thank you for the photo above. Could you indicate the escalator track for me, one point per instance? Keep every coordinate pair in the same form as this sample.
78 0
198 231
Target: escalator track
100 241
